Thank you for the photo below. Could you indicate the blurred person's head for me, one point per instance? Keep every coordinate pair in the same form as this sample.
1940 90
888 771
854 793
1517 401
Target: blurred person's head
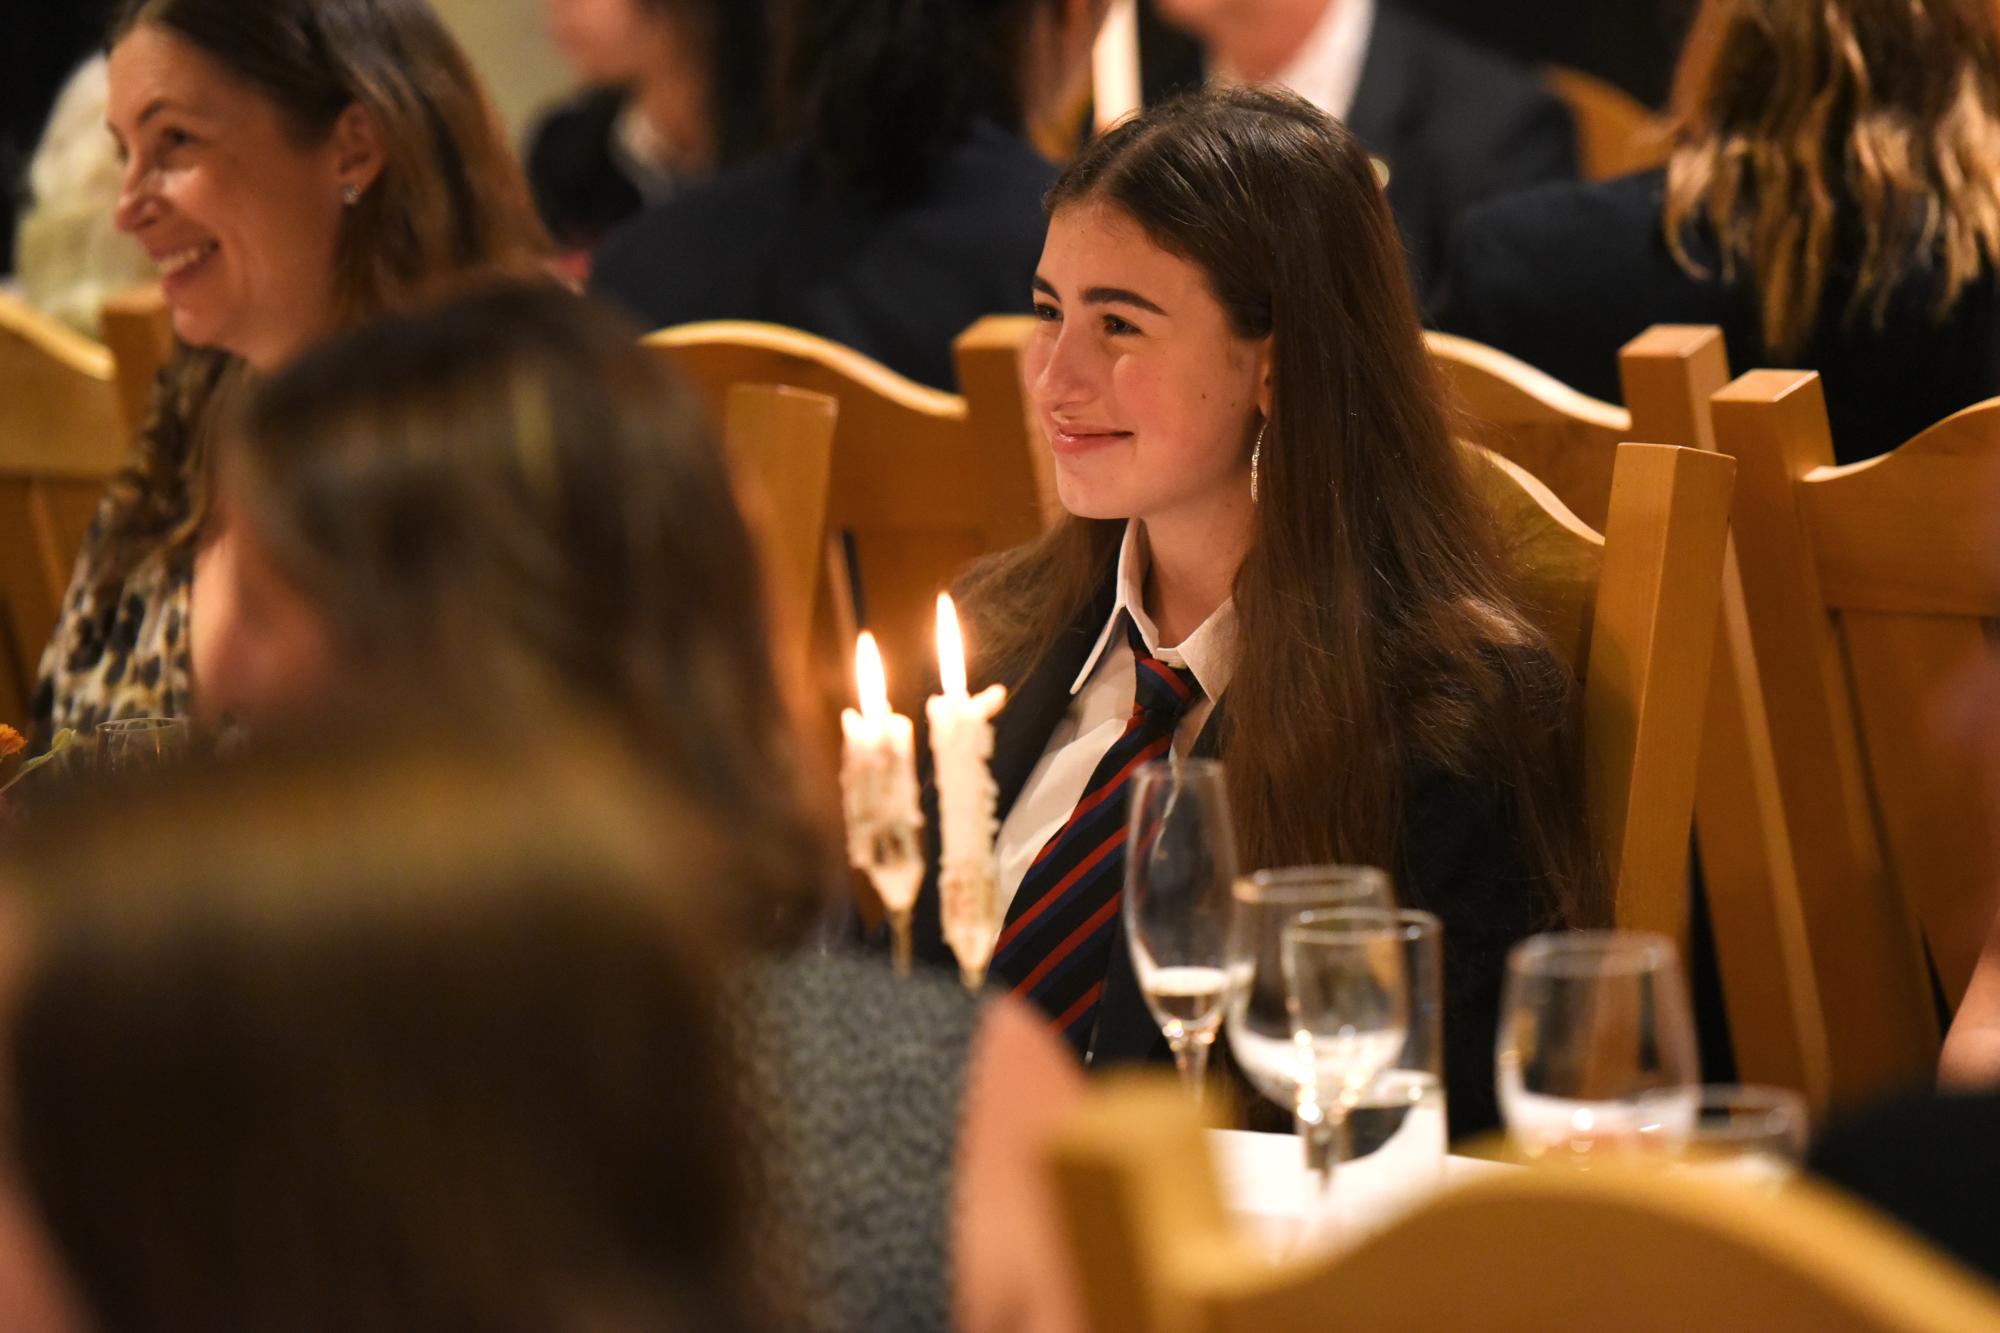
1253 39
69 255
707 57
880 89
404 1032
1223 282
499 499
1805 128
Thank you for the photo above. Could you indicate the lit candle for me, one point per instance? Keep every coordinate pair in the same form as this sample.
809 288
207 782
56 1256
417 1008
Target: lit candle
961 748
878 784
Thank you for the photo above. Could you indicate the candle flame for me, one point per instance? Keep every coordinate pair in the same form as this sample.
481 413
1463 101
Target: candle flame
871 683
950 648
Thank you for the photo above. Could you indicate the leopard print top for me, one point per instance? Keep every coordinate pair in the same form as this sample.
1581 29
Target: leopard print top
117 653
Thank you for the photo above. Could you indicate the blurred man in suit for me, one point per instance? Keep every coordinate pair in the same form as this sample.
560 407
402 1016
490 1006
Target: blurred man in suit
1449 123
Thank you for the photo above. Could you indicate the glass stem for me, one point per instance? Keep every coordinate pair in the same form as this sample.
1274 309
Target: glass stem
1323 1127
1191 1058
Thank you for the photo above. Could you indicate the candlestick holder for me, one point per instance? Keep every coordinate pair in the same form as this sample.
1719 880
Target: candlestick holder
889 853
968 900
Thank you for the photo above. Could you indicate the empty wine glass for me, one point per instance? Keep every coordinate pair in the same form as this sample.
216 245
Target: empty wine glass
1258 1016
1747 1134
140 742
1596 1051
1347 990
1180 860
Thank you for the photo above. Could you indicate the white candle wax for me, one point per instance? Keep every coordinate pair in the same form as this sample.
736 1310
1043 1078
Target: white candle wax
961 748
878 771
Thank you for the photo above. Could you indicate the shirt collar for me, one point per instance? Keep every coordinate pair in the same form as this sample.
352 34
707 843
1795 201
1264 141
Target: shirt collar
1209 652
1326 70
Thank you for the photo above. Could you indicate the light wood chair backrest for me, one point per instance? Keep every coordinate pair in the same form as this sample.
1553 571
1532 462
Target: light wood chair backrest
1517 1251
923 481
1869 589
1633 612
139 330
62 434
1616 133
779 441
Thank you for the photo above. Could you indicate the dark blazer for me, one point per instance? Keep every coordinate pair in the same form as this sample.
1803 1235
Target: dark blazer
1462 859
1455 124
1563 276
767 241
581 188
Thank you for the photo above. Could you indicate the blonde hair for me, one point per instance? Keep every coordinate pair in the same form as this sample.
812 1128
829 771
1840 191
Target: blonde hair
69 255
1805 124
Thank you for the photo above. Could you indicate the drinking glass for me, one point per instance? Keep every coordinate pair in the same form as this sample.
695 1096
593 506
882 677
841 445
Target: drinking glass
1596 1051
1257 1016
1753 1135
1180 859
140 742
1347 991
1396 1131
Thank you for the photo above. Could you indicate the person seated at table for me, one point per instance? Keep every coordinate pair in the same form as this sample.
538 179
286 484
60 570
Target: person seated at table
381 1031
507 498
1268 510
1831 203
1452 123
910 203
291 166
677 90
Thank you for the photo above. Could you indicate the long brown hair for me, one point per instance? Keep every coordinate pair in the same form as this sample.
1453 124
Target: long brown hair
386 1030
1804 127
450 203
1378 636
505 496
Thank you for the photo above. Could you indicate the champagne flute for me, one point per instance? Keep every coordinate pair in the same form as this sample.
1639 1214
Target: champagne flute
1258 1016
1596 1052
133 743
1347 991
1180 860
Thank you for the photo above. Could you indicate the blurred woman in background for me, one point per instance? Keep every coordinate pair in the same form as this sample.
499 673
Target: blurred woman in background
1832 202
290 167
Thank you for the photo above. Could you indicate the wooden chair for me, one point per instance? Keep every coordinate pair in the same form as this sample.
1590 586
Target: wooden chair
139 330
923 481
1633 612
62 435
1522 1250
780 446
1868 589
1616 134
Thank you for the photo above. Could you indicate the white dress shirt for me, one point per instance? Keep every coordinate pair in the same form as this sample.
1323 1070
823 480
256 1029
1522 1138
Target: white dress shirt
1101 705
1326 70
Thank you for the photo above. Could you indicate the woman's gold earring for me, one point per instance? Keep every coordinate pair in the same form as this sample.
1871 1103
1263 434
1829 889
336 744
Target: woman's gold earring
1256 456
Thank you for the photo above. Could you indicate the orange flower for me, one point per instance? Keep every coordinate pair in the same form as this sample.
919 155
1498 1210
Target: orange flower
12 742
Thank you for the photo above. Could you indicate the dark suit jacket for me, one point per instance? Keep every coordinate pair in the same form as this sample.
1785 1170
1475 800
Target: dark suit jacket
767 241
1563 276
1455 124
1462 859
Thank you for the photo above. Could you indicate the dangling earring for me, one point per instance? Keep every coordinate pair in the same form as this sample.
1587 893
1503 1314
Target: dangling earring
1256 456
350 194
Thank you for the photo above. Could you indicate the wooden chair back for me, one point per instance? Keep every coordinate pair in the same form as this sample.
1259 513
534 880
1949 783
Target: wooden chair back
1869 592
1520 1250
139 330
1616 133
62 435
1633 612
923 481
779 441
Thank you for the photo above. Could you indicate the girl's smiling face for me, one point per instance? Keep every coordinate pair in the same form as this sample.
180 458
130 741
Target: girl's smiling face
1148 398
241 217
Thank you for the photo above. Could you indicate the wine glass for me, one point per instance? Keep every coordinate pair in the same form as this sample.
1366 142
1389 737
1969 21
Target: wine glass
1258 1016
1747 1134
1180 860
1596 1051
1347 990
133 743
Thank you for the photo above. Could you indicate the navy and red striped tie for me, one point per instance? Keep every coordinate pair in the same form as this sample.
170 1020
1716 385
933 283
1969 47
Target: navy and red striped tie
1055 947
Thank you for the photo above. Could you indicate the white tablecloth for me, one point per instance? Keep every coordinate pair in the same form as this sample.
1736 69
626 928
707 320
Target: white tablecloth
1265 1184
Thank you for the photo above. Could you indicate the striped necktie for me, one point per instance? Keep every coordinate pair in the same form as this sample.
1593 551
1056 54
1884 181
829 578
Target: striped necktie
1055 947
